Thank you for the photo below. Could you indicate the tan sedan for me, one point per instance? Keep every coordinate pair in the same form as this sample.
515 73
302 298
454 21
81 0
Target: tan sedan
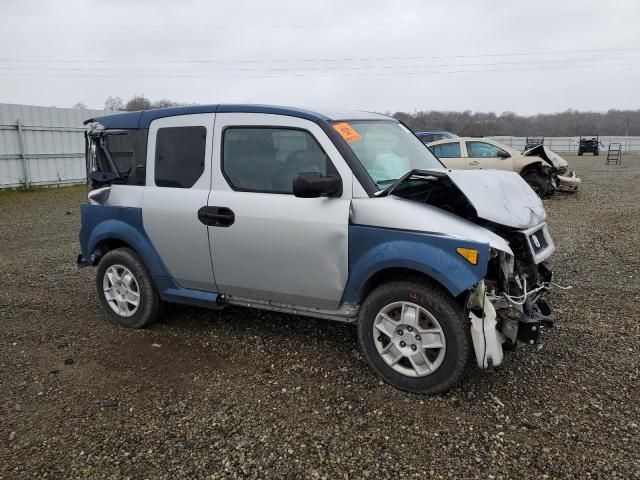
544 170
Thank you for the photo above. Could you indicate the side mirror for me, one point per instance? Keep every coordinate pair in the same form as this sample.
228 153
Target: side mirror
503 154
312 185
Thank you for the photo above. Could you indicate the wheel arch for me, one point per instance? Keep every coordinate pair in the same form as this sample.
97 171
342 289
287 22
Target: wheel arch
113 234
379 255
392 274
104 246
535 166
107 227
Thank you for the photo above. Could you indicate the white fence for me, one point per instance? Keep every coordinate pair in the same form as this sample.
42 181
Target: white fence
570 144
41 145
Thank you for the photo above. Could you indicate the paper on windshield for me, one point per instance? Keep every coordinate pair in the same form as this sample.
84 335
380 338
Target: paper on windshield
347 132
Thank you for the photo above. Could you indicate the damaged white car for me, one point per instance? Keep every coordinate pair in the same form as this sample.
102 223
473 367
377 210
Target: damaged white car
330 214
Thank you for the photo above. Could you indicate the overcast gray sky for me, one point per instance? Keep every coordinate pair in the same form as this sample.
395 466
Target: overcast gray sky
524 56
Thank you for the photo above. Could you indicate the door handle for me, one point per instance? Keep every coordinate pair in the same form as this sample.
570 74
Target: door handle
475 162
216 216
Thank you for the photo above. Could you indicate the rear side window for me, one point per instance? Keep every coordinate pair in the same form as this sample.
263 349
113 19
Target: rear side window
179 156
483 150
267 159
129 153
446 150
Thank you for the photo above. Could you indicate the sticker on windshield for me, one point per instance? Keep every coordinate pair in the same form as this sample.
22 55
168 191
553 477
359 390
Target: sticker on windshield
347 132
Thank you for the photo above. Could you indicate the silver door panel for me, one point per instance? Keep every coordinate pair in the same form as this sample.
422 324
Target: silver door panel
170 215
281 248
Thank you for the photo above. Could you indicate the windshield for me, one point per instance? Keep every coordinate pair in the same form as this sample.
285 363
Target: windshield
386 149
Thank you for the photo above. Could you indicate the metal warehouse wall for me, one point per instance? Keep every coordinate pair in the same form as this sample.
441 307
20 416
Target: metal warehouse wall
42 145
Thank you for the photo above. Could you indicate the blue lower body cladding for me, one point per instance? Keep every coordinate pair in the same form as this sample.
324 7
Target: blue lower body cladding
373 249
107 223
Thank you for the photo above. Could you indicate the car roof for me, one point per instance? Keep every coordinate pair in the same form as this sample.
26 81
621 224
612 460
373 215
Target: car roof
143 118
431 132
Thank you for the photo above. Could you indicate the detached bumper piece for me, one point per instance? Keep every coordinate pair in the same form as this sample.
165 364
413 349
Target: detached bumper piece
568 183
524 327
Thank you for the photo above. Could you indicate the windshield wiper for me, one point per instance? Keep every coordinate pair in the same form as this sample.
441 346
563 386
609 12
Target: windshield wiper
415 174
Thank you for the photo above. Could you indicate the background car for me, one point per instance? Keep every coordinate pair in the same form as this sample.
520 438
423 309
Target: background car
544 170
434 135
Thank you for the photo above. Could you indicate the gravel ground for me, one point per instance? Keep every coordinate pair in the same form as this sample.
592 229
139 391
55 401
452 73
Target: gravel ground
244 394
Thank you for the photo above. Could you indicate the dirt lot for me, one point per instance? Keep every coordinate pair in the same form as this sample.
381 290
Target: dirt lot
248 394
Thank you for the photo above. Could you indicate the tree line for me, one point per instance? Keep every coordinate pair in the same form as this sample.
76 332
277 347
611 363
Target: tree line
138 102
563 124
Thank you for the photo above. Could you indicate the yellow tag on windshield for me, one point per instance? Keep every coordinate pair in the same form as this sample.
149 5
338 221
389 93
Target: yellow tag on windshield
347 132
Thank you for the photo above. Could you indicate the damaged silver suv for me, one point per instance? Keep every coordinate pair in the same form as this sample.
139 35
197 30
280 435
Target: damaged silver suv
338 215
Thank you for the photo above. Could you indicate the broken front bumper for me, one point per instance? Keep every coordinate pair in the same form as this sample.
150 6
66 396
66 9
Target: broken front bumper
498 319
568 182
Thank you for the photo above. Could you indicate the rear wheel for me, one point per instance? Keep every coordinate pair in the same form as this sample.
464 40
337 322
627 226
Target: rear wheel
415 337
125 289
538 182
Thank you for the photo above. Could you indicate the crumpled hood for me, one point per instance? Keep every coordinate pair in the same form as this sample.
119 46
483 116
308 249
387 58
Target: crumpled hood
500 197
547 155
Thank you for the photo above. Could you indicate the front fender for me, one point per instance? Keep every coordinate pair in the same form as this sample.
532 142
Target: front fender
105 222
373 249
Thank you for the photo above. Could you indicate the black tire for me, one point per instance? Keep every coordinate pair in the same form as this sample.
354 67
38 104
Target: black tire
450 316
539 183
148 308
579 153
596 153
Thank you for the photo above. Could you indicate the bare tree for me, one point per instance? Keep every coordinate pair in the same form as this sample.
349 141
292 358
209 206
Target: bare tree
80 106
113 103
138 102
164 103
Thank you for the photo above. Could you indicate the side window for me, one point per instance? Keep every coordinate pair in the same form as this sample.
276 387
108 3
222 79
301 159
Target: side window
483 150
446 150
266 159
179 156
128 151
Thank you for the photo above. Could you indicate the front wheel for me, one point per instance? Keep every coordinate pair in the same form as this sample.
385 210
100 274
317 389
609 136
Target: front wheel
125 289
414 335
538 183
